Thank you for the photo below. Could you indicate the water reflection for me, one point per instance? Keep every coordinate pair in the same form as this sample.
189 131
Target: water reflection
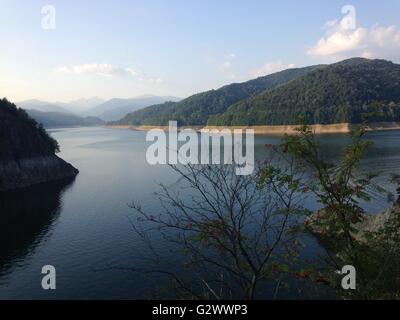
26 219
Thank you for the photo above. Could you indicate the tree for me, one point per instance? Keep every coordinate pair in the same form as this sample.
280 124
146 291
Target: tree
234 233
242 234
339 187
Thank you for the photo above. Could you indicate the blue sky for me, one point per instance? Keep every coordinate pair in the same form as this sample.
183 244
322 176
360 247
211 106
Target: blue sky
127 48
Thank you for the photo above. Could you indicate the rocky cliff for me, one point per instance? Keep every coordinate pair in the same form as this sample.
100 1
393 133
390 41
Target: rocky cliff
367 223
27 152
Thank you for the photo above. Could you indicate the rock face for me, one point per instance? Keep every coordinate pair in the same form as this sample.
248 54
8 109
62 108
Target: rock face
368 222
21 173
27 152
374 223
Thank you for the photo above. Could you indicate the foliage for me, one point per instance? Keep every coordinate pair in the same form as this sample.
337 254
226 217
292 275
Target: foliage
340 188
338 93
21 136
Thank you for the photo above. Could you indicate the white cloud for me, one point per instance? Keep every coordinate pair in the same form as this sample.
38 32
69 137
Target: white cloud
227 64
154 80
330 24
270 67
107 70
103 69
341 42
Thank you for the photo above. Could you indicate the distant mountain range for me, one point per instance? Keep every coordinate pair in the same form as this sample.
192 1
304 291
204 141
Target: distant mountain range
83 112
59 120
81 105
115 109
322 94
42 106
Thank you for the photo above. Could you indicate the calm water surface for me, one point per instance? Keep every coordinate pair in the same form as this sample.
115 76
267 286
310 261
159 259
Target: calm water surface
82 227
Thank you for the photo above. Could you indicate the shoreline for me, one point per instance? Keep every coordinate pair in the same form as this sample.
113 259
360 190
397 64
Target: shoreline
276 130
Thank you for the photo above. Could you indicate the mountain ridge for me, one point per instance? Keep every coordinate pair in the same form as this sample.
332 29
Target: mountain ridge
342 92
196 109
34 104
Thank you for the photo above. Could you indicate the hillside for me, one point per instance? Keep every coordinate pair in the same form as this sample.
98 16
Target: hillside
63 120
197 109
338 93
27 152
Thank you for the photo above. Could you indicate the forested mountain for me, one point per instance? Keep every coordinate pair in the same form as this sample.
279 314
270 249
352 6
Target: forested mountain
197 109
27 152
58 120
341 92
21 136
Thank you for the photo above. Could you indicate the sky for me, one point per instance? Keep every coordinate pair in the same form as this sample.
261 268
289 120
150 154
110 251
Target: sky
59 50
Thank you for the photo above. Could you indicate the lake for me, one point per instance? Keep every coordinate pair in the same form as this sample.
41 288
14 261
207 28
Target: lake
83 227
